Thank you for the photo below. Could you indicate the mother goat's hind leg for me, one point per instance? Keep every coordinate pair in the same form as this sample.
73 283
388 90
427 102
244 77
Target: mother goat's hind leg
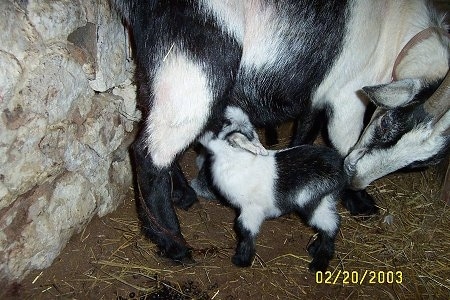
183 195
153 190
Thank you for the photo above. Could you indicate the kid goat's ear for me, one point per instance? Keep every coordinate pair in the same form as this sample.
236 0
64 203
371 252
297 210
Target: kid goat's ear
239 140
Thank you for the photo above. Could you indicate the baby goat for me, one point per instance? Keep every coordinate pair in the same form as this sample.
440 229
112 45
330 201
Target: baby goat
266 184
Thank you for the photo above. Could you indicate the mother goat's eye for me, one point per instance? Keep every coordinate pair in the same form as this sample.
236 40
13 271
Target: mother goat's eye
384 122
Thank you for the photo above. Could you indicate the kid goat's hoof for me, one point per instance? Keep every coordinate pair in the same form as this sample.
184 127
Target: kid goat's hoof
240 261
319 264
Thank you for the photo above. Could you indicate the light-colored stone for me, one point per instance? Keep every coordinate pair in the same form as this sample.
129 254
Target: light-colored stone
63 147
56 19
10 66
128 110
18 36
112 48
43 101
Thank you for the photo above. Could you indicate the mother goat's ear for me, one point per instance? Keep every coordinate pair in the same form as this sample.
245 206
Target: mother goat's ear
394 94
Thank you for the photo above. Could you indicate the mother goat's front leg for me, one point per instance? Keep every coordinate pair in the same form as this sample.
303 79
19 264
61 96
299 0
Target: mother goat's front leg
344 137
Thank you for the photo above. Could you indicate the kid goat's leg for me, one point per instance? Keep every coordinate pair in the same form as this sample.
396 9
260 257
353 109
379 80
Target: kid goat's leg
325 220
247 227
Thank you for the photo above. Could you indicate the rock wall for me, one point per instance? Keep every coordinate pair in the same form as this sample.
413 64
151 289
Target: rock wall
67 112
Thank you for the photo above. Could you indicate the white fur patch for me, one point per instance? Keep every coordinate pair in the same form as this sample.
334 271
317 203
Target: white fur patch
356 67
263 36
243 178
304 196
346 123
325 216
181 107
256 26
229 15
252 217
418 63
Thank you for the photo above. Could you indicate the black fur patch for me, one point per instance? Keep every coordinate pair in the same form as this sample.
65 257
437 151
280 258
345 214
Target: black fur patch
277 93
245 250
307 166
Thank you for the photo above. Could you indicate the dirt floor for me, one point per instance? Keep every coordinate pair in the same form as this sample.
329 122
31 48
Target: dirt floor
402 253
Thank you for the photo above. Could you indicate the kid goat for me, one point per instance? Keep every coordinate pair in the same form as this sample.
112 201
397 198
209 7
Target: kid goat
304 179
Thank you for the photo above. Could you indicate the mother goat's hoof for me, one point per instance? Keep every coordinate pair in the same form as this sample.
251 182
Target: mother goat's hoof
359 203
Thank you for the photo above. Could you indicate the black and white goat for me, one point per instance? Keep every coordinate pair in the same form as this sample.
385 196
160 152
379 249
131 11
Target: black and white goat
264 184
280 60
